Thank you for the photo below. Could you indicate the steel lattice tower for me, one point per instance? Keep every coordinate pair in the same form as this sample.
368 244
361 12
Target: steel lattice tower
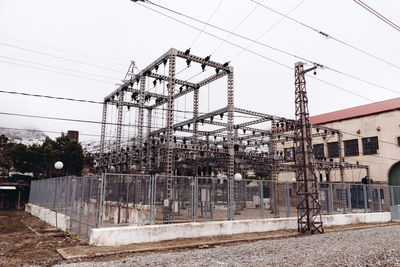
309 218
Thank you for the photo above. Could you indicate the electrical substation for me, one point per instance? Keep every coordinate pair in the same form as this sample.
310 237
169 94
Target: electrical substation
153 124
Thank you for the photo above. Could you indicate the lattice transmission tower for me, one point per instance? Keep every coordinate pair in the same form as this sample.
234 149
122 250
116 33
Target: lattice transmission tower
309 218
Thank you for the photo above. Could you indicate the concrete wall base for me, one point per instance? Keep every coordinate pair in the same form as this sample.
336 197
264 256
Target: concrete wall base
395 212
49 216
116 236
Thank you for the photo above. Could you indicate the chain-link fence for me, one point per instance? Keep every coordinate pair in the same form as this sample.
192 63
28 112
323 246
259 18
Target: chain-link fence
126 199
75 197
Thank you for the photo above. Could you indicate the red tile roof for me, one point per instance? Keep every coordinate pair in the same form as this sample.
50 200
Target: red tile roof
355 112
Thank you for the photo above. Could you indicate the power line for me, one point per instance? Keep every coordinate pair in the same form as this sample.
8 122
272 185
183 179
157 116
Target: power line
237 27
130 125
96 135
262 44
54 71
71 120
51 97
215 36
344 89
58 57
260 55
331 84
62 50
209 19
60 68
61 119
227 31
377 14
267 30
99 102
326 35
95 102
363 80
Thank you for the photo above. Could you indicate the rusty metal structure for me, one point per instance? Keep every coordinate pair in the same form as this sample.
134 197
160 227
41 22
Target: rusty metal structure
224 141
309 217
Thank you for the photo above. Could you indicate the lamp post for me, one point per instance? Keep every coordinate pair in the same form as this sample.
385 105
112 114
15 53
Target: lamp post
237 177
58 166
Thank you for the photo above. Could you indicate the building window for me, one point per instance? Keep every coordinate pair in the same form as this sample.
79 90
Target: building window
398 140
319 151
351 147
333 149
289 153
370 145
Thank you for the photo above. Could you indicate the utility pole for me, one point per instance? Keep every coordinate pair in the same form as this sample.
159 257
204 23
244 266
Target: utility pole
309 218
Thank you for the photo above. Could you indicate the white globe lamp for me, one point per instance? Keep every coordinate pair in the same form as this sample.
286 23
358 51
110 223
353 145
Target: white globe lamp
219 177
237 176
58 165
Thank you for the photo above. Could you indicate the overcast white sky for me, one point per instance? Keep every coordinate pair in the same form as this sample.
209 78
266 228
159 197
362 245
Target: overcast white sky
109 34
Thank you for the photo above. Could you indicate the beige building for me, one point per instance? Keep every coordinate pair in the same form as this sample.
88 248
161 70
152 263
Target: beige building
370 136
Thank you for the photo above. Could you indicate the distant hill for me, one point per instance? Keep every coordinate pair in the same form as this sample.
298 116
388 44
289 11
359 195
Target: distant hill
33 136
27 137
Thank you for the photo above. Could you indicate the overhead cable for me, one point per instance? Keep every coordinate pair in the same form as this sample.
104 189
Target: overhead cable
99 102
54 71
209 19
259 43
377 14
260 55
328 36
58 57
63 51
60 68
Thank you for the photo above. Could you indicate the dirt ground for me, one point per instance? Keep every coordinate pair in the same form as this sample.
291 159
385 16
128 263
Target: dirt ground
26 240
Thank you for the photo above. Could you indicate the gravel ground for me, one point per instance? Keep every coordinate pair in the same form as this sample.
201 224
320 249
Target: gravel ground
378 246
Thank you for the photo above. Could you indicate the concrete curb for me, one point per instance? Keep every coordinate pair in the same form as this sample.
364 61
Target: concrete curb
92 252
117 236
60 222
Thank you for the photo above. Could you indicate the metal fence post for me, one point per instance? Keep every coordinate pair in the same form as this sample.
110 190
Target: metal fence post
100 204
81 204
88 208
365 198
349 198
127 198
230 199
152 195
72 201
330 199
275 204
67 194
55 199
287 199
391 195
379 198
261 196
195 197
